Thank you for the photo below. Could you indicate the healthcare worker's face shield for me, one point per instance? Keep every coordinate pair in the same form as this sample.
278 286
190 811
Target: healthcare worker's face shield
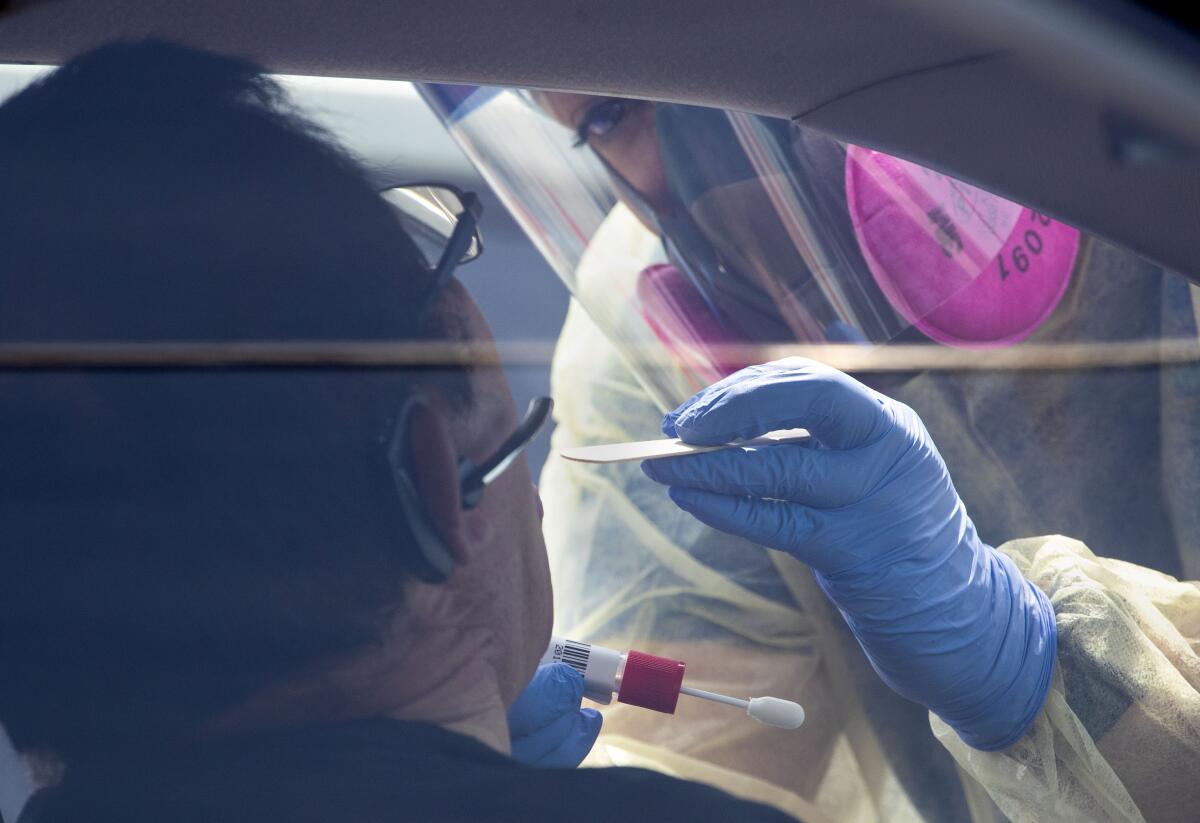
702 240
1057 374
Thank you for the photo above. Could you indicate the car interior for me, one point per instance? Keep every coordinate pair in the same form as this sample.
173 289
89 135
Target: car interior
1087 111
1099 99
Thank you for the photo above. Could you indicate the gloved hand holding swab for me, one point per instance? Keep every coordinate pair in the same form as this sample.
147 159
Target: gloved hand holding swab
653 682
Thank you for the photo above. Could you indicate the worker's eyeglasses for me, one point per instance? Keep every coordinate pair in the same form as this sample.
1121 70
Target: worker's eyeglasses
442 221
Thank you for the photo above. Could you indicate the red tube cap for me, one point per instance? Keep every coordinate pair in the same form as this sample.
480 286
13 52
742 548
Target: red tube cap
651 682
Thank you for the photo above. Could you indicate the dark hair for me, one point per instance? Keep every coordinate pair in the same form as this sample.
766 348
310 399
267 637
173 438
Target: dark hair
171 542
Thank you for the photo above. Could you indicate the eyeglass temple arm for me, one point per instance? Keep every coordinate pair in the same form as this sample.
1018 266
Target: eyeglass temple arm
474 479
460 239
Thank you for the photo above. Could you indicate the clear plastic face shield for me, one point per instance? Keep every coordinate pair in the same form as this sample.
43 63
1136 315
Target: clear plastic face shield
1057 374
766 236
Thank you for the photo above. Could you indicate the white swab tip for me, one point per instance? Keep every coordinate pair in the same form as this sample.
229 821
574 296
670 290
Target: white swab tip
782 714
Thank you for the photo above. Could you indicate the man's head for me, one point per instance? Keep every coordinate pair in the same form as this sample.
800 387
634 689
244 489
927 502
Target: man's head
174 543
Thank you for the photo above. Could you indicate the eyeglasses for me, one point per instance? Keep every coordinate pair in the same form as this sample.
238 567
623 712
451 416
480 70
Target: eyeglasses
475 478
432 560
443 222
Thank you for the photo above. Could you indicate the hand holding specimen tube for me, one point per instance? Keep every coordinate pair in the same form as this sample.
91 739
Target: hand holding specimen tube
546 724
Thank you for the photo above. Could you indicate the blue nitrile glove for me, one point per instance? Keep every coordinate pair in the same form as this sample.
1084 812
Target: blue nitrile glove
946 620
546 725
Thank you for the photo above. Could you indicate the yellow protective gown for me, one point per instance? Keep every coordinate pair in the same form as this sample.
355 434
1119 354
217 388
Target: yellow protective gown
632 571
1119 736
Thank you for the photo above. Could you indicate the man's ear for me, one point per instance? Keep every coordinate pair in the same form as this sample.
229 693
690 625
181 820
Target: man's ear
433 467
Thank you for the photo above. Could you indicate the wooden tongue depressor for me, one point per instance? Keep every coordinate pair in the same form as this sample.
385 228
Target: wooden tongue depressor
645 449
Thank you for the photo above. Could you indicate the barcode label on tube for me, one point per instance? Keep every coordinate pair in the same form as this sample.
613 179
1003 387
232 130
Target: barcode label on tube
576 655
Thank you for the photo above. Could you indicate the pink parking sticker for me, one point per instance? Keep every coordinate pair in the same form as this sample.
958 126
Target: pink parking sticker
966 267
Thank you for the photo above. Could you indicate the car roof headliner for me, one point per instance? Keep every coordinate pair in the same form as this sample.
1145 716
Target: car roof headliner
1060 105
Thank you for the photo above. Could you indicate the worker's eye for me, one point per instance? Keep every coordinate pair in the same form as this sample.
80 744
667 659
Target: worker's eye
601 119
